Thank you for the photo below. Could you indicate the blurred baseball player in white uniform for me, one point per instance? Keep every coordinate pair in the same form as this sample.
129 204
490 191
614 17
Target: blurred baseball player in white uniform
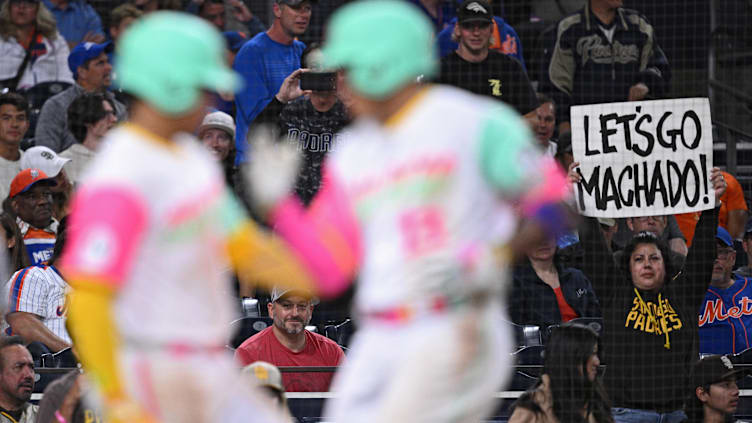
417 203
153 229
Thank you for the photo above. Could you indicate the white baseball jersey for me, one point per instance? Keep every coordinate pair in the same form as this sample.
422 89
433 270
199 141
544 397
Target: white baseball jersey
424 207
154 224
419 203
39 290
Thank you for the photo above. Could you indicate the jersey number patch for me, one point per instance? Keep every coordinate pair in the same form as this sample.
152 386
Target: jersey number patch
423 230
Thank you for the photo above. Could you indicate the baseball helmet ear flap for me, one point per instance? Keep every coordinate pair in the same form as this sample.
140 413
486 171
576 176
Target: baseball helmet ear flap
380 62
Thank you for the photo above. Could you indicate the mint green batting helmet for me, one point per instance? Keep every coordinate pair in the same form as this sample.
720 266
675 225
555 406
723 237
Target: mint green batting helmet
382 44
167 58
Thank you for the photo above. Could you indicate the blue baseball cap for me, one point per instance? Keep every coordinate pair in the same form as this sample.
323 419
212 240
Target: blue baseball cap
723 236
234 40
84 52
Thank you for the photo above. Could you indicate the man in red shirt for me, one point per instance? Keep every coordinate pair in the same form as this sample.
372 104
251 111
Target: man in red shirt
288 343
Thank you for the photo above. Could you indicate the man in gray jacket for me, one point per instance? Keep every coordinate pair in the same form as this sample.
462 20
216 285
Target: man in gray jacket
93 73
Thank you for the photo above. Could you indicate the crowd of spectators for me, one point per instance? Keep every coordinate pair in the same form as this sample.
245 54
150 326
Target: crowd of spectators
601 53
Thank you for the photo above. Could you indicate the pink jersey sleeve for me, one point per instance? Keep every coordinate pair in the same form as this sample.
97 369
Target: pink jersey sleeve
325 237
551 188
105 228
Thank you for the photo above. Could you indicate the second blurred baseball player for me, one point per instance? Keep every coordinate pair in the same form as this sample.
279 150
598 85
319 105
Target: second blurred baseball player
417 202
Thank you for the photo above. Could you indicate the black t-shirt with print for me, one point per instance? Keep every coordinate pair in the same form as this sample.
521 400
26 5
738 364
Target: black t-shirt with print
498 76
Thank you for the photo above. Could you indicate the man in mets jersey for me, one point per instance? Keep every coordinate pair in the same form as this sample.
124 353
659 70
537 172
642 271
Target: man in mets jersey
153 230
417 203
726 313
36 307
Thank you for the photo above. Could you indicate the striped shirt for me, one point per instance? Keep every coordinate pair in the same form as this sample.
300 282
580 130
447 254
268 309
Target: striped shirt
39 243
39 290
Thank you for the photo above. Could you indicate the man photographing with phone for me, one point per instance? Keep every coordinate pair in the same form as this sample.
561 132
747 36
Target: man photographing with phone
265 61
308 112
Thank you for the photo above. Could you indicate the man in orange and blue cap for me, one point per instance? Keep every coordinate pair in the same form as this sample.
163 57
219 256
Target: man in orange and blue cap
31 201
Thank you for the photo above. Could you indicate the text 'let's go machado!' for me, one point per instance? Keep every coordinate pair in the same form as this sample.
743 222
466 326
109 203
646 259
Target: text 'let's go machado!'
643 158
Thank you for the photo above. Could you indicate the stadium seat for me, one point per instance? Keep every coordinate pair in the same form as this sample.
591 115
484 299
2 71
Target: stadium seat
60 359
246 327
37 351
527 335
524 377
529 356
46 376
250 307
36 96
340 333
744 357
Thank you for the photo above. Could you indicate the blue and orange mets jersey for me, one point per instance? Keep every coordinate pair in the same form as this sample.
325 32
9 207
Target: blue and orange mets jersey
726 318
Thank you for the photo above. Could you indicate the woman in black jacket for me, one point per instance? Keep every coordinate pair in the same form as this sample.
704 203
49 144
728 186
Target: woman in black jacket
545 293
650 319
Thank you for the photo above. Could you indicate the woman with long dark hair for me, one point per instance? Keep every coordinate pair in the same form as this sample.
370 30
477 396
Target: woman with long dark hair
650 318
569 389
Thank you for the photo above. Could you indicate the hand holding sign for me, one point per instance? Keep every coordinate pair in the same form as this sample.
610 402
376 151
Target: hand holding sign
643 158
638 92
573 177
718 183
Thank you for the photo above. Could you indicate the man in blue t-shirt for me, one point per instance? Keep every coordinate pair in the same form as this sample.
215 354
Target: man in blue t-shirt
265 61
77 21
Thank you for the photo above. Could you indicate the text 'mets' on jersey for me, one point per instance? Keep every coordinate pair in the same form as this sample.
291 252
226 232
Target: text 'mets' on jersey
726 318
39 243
